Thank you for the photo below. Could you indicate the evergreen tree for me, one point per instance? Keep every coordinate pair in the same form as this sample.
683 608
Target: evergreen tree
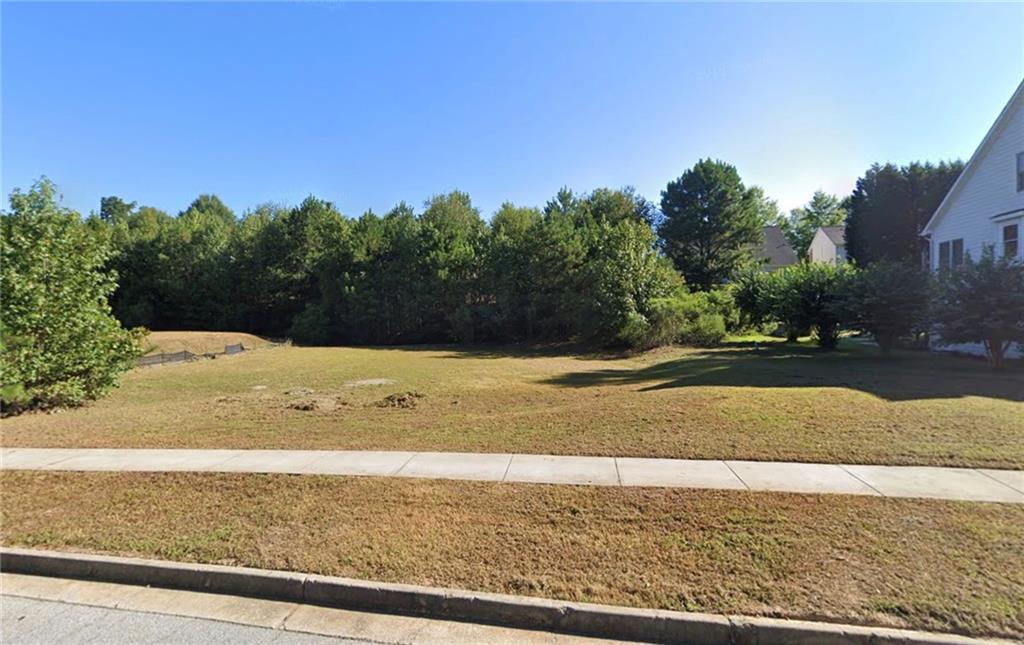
710 223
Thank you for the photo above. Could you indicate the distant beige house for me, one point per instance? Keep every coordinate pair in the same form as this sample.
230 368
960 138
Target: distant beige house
828 245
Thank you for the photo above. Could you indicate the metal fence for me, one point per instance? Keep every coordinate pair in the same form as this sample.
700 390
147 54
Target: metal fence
184 355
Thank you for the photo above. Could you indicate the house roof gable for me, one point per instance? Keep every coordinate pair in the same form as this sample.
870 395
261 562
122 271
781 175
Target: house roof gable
775 248
835 233
1014 104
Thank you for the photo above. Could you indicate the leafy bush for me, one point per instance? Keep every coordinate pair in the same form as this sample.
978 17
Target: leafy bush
722 301
752 291
61 345
705 330
886 299
806 296
687 318
622 281
982 302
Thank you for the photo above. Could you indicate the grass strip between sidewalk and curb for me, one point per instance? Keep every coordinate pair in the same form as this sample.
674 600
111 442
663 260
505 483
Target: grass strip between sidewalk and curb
918 564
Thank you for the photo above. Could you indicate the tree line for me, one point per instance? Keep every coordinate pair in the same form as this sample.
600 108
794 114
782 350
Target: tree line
605 267
579 267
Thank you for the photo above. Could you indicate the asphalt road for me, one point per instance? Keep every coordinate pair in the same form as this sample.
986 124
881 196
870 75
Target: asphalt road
30 621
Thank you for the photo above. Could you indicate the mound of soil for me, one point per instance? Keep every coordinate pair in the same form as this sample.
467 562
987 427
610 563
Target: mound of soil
404 400
324 404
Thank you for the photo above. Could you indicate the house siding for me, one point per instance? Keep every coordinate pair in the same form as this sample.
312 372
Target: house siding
990 189
822 249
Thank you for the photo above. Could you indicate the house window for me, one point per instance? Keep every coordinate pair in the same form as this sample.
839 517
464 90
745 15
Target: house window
951 254
958 253
1011 240
1020 171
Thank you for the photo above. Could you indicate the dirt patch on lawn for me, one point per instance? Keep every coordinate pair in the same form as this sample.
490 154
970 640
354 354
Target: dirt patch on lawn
322 404
404 400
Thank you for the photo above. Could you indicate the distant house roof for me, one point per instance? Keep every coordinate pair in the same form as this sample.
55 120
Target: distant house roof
775 250
835 233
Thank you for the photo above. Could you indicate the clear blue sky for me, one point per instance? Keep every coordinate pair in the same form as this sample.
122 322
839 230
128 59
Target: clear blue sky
370 104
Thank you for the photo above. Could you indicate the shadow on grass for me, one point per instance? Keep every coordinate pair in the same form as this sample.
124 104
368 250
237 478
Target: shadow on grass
524 350
902 377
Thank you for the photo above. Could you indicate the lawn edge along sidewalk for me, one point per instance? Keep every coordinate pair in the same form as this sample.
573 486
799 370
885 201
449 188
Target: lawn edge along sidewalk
603 621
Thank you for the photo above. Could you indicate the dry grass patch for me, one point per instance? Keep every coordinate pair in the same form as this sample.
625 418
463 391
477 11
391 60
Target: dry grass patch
200 342
908 563
789 403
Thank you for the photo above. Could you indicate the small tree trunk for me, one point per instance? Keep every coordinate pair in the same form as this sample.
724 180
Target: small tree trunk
885 343
996 348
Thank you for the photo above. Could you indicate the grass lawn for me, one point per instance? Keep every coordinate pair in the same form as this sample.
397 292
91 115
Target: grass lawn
775 402
908 563
199 342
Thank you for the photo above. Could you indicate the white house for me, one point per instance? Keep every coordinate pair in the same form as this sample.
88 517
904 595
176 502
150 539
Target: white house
985 206
828 245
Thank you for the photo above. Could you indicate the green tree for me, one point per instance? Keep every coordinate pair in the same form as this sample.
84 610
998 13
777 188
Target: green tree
210 205
888 300
982 302
753 297
140 263
383 296
621 280
803 222
767 208
114 209
890 206
195 281
451 236
608 205
61 345
710 223
509 272
806 296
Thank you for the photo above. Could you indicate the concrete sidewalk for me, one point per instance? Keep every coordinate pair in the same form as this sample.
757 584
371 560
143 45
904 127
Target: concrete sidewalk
967 484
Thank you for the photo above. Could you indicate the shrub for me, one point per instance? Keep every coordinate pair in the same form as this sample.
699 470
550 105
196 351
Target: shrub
805 296
706 330
722 302
621 283
886 299
982 302
687 318
752 289
61 345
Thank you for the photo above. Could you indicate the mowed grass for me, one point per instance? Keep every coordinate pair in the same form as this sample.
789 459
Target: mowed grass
908 563
199 342
773 402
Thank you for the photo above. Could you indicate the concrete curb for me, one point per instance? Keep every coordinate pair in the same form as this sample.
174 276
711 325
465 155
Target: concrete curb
602 621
